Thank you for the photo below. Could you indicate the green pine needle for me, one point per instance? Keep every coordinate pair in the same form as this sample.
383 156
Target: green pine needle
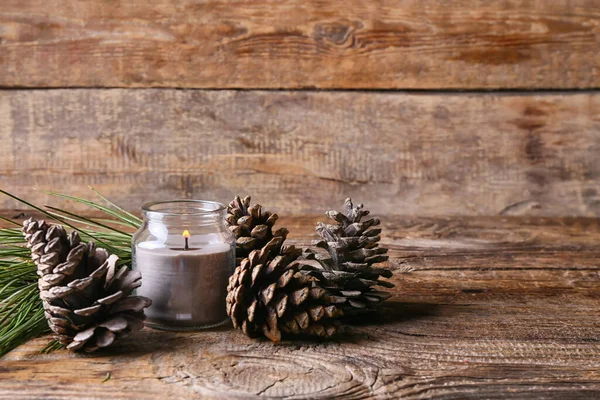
21 313
52 346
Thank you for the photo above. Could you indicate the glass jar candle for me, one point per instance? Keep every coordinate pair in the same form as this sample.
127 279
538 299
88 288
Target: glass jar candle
185 254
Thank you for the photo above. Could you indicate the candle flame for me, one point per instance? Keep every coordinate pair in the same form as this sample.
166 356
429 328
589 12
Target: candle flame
186 234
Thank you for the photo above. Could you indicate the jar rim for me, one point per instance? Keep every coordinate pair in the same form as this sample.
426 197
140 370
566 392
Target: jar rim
204 207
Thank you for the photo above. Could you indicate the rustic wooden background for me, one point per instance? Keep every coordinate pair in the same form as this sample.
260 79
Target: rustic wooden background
468 107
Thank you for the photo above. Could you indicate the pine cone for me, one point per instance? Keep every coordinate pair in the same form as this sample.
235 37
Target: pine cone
86 300
348 269
267 295
252 227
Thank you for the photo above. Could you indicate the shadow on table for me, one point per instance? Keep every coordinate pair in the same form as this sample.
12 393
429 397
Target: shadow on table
357 328
155 340
394 312
391 317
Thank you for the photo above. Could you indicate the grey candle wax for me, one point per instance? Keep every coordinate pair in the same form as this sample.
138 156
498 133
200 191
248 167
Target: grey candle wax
187 287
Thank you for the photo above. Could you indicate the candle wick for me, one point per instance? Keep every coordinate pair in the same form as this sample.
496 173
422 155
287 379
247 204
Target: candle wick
187 245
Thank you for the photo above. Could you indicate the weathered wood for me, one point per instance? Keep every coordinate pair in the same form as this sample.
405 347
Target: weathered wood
300 44
493 308
299 152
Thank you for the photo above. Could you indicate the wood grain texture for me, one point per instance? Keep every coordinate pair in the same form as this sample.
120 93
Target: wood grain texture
304 152
494 307
401 44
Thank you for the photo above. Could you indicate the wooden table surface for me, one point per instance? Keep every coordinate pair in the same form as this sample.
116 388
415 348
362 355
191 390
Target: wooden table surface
488 308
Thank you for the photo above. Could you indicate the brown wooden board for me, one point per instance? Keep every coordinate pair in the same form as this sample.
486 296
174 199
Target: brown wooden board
304 152
404 44
494 307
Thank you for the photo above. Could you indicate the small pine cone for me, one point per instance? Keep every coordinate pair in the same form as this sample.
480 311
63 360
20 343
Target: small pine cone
267 295
349 268
252 227
87 300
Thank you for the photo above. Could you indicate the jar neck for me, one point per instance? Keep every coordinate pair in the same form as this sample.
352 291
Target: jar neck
185 220
184 212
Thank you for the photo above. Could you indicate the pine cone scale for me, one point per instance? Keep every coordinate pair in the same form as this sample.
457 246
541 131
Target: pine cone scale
86 312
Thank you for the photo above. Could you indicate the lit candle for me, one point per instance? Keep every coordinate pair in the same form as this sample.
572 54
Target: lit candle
184 274
186 236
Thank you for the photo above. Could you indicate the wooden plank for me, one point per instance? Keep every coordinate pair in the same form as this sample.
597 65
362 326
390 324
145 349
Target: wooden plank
401 44
304 152
484 313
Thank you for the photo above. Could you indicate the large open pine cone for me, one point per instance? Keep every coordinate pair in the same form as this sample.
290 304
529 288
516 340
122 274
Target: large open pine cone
252 227
349 270
267 296
86 300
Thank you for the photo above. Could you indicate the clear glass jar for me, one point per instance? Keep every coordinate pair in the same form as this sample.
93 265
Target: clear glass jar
186 254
